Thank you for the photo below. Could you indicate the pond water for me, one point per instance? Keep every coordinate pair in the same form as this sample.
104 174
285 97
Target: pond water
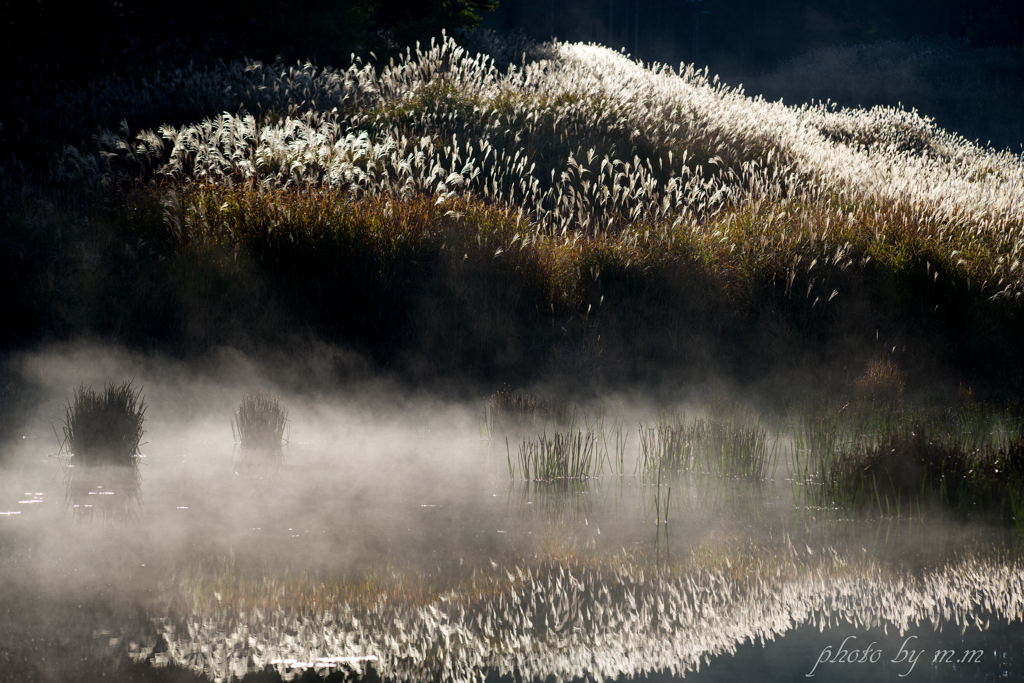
387 536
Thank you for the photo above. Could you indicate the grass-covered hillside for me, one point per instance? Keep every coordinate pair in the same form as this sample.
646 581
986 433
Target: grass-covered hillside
578 216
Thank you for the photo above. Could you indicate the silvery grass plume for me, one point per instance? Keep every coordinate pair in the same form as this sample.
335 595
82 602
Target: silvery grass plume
590 143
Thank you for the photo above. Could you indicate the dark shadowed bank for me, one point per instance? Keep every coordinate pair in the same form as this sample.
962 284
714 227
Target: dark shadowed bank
415 291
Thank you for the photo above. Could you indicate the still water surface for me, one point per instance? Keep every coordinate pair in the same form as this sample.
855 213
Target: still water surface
397 542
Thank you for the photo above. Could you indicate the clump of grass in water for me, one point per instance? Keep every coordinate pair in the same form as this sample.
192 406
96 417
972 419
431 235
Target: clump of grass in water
960 463
616 455
105 428
716 445
565 456
905 467
261 420
817 436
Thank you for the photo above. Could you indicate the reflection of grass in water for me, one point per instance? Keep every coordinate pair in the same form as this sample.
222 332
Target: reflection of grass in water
246 581
259 467
212 582
261 421
700 497
567 500
106 493
551 597
545 613
555 597
104 427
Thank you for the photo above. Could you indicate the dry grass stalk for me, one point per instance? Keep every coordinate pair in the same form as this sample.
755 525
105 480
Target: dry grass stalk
882 382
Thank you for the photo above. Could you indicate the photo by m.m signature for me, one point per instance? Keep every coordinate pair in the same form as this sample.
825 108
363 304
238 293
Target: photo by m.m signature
849 653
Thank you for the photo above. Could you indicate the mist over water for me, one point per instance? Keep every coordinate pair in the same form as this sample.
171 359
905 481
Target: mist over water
387 533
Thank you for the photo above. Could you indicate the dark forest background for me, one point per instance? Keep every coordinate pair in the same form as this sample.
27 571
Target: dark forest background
959 61
71 41
749 36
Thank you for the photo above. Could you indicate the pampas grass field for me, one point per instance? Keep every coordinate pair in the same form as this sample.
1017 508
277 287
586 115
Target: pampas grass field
580 215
